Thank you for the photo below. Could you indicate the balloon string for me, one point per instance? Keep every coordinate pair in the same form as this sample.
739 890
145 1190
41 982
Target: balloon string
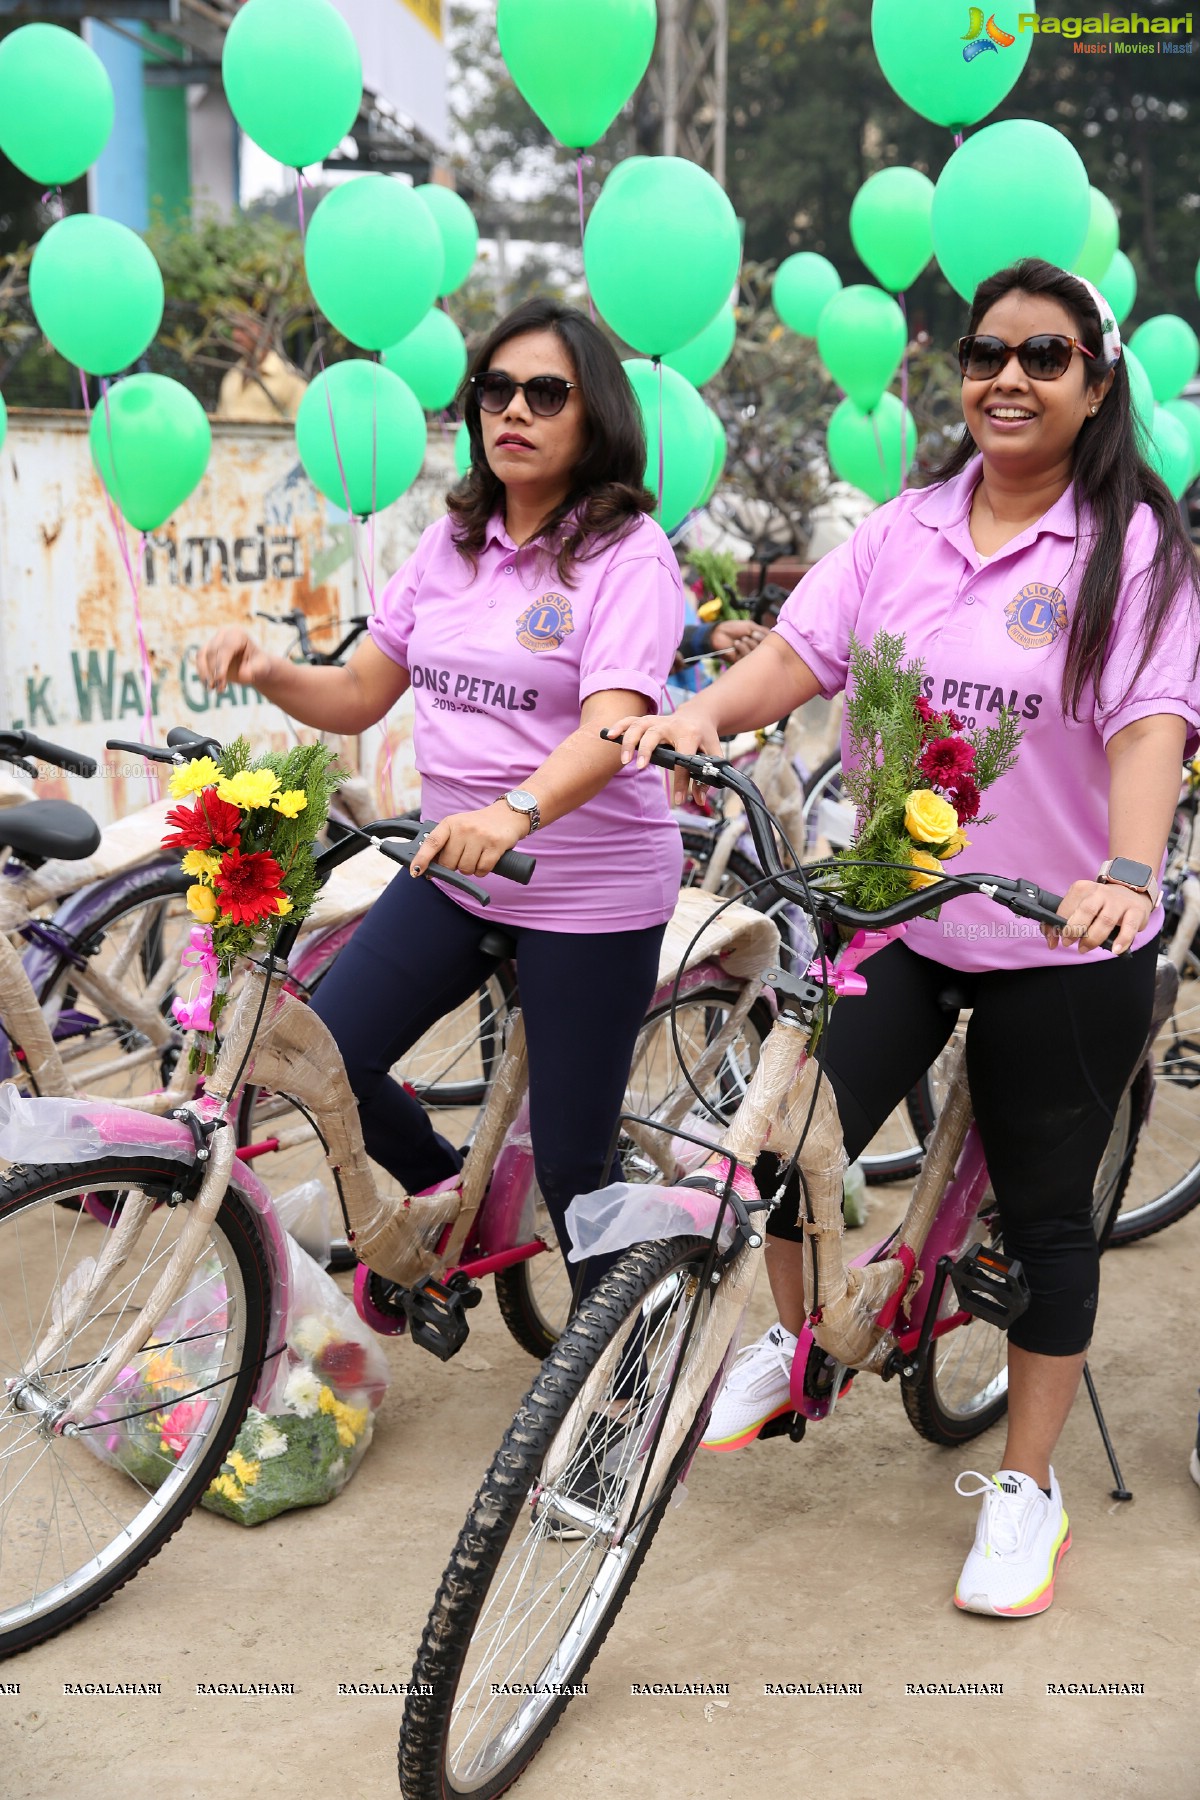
958 138
587 290
134 576
662 467
904 396
873 416
356 551
388 790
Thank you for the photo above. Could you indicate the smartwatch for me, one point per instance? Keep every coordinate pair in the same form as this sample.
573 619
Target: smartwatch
525 803
1124 873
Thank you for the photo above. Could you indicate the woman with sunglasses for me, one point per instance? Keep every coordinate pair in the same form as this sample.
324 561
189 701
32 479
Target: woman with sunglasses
1043 568
546 605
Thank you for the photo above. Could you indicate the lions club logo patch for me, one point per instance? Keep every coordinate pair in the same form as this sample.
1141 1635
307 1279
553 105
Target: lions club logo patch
1036 616
545 624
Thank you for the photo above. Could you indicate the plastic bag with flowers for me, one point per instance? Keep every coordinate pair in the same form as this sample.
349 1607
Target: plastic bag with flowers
914 775
247 841
315 1426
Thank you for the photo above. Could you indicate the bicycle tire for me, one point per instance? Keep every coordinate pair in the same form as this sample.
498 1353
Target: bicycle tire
496 1516
130 1519
1177 1072
534 1296
942 1406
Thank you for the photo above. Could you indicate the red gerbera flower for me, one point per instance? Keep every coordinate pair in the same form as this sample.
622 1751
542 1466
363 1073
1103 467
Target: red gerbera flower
946 761
966 800
249 886
211 824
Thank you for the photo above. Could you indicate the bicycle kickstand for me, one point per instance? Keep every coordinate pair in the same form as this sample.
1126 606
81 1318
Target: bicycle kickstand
1120 1492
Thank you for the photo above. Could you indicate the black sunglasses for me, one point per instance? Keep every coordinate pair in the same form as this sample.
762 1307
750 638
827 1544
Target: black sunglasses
545 395
1043 358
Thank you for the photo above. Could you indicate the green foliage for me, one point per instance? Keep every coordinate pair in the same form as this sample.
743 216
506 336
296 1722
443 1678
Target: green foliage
718 571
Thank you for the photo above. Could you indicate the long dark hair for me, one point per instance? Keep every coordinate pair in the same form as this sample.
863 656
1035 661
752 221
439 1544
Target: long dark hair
1111 480
608 492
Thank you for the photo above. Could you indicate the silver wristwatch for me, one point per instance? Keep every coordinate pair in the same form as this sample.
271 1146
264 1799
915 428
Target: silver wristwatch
525 803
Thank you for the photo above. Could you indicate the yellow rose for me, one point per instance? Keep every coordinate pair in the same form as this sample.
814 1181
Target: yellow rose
253 787
928 818
709 611
926 869
202 903
193 777
199 862
958 842
290 803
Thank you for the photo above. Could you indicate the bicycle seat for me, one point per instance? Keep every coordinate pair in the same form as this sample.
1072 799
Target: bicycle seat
952 998
45 828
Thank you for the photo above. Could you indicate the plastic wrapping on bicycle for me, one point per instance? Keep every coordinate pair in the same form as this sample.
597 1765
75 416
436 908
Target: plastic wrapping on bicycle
1024 898
14 745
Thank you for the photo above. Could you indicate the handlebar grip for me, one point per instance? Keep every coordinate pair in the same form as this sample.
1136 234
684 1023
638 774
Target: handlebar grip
514 865
182 737
58 754
1054 902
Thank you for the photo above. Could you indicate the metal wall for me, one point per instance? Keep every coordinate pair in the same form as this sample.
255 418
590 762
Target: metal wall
255 536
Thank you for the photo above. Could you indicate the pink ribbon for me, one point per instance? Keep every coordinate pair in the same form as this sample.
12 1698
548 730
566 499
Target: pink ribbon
196 1014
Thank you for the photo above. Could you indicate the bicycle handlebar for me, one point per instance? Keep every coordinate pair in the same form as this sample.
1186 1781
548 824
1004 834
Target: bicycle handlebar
16 745
308 650
514 865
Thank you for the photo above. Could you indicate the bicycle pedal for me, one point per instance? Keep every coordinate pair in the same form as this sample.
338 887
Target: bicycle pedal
990 1286
437 1315
786 1424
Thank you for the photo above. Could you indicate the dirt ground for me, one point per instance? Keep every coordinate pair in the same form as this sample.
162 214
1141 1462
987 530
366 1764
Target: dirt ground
832 1561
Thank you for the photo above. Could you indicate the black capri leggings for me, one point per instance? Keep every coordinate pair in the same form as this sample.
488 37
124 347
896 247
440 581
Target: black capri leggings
1049 1051
415 957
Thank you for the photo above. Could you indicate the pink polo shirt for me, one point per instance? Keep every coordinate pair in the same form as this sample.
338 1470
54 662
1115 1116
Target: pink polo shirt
501 661
993 632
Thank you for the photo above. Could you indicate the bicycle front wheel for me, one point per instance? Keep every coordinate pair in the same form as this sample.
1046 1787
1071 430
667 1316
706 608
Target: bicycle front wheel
79 1516
553 1542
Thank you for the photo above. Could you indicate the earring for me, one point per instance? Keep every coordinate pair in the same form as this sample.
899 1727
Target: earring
1095 410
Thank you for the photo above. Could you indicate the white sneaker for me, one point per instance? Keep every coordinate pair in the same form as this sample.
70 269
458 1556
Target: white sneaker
1194 1464
1020 1540
757 1391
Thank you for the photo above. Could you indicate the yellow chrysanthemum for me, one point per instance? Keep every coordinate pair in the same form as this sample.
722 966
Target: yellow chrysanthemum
349 1420
193 777
957 843
250 789
710 610
245 1470
199 862
228 1489
283 906
202 903
291 802
926 869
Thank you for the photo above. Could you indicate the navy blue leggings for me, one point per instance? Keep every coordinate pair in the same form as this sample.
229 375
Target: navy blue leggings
415 957
1049 1051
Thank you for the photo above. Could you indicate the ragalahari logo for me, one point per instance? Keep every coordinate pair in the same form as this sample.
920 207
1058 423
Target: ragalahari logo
975 42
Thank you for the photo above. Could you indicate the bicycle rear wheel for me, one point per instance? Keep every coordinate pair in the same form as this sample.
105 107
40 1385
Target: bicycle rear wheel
80 1516
1165 1180
522 1607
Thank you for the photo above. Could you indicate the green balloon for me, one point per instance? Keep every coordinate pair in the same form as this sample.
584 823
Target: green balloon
950 76
890 228
150 443
1119 286
1014 189
707 354
293 77
462 449
661 253
803 284
1169 351
374 259
861 337
458 231
1100 244
432 360
371 449
96 292
56 103
864 448
720 452
1188 415
1141 396
687 439
577 72
1170 452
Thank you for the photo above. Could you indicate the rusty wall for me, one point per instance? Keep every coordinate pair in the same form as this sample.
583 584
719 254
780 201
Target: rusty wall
255 536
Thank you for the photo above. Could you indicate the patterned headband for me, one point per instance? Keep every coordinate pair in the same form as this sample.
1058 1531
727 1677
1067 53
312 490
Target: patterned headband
1108 325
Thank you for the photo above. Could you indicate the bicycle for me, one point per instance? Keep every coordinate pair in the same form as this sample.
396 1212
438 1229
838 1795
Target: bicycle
569 1507
79 1304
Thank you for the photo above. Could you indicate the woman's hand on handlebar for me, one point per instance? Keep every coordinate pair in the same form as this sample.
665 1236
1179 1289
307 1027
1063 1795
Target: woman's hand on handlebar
472 842
689 731
231 654
1093 909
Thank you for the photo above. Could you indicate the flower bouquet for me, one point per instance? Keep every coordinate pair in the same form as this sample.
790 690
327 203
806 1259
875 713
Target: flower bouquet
715 586
914 776
247 841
